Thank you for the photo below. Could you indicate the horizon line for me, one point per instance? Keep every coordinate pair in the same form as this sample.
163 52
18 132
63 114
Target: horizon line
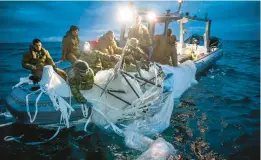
82 41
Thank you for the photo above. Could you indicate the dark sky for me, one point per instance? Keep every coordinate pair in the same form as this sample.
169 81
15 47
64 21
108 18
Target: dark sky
23 21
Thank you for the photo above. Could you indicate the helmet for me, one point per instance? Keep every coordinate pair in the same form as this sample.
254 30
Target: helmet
80 66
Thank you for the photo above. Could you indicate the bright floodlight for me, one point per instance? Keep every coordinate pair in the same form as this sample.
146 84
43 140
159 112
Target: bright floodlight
125 14
151 16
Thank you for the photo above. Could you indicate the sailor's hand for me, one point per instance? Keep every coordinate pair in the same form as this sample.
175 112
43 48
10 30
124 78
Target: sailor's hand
129 59
33 67
116 57
63 58
39 67
150 48
55 68
150 51
89 104
35 79
83 101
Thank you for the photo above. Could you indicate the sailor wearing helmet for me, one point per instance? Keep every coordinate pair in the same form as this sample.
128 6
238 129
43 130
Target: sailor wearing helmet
134 56
80 77
96 59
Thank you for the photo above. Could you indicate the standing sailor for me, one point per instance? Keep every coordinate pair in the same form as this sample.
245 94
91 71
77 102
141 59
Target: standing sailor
165 49
141 33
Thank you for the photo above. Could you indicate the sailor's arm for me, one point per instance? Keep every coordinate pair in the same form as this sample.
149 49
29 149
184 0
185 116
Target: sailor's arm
26 62
75 88
104 57
49 60
77 94
88 81
102 46
104 50
65 48
130 33
147 37
117 50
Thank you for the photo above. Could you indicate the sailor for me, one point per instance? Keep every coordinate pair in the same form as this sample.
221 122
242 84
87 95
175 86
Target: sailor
71 45
80 77
36 58
96 59
134 57
141 33
171 50
165 50
169 32
107 44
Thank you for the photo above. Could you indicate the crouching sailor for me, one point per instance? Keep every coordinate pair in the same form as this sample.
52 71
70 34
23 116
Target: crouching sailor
134 56
36 58
80 77
97 59
107 44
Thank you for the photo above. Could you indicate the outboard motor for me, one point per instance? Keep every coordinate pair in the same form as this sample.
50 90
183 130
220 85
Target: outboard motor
195 39
214 42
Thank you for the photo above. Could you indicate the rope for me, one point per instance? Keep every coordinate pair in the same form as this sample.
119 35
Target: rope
23 80
6 124
17 139
114 127
27 106
87 122
84 110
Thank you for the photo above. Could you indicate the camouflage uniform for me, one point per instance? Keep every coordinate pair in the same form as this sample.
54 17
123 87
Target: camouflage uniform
80 81
141 33
134 57
70 47
107 46
35 61
98 60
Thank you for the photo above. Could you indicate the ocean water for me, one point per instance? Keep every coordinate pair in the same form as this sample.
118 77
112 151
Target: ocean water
219 117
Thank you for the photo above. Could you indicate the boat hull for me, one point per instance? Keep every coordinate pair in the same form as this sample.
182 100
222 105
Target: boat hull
16 101
207 61
46 114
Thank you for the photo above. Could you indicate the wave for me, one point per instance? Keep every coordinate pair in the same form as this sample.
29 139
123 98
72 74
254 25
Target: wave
12 70
16 54
232 71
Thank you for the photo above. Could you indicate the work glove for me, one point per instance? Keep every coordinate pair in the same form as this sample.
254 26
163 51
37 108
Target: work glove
55 68
35 79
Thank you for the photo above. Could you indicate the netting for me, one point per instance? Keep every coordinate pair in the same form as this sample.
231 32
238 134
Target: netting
130 107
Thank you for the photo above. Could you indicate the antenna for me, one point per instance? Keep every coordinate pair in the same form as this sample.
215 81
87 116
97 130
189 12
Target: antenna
180 2
168 12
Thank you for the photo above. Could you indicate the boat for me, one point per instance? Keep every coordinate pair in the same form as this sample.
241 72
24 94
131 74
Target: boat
130 96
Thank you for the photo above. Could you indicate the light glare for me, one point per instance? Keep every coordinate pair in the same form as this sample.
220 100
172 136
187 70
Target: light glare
151 16
125 14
